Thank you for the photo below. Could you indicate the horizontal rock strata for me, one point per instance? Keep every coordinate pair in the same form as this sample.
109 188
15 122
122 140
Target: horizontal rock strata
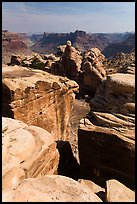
106 137
38 98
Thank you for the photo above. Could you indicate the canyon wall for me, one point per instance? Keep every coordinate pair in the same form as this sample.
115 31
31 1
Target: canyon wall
38 98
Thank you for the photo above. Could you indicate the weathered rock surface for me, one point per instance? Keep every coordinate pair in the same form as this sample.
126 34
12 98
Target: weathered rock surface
27 152
91 185
121 63
116 95
46 63
93 69
38 98
50 188
71 61
107 134
117 192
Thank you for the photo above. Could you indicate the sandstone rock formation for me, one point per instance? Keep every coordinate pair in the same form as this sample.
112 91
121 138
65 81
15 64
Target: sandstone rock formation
61 50
121 63
93 69
99 191
107 134
71 61
50 188
27 152
38 98
48 42
46 63
14 43
117 192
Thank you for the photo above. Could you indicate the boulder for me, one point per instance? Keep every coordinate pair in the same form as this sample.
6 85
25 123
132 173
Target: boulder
71 61
117 192
50 188
98 190
27 151
93 69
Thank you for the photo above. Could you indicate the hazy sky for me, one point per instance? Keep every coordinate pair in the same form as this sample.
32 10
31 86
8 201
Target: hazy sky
68 16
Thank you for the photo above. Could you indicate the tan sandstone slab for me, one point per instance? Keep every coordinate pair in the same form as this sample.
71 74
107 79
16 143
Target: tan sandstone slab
117 192
51 188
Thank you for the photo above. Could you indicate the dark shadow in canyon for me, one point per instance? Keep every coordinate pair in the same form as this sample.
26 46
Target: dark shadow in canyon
68 165
6 100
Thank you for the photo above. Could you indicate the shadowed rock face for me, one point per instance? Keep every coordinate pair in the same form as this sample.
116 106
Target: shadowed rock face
38 98
125 46
27 151
107 135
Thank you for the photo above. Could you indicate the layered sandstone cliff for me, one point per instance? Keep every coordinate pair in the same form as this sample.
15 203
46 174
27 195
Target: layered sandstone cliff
38 98
106 137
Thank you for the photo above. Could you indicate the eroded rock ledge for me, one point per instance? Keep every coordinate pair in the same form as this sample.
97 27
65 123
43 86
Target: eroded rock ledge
38 98
107 134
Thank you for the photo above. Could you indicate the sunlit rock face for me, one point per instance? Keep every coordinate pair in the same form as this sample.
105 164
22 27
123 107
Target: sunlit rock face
117 192
71 61
50 188
106 137
38 98
27 152
93 69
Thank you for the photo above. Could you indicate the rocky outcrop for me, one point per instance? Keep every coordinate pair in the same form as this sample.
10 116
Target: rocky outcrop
27 152
38 98
93 69
50 188
46 63
117 192
107 134
14 43
71 61
121 63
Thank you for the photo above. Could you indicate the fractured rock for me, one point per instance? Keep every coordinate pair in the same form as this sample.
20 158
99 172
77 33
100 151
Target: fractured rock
107 134
93 69
38 98
71 61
